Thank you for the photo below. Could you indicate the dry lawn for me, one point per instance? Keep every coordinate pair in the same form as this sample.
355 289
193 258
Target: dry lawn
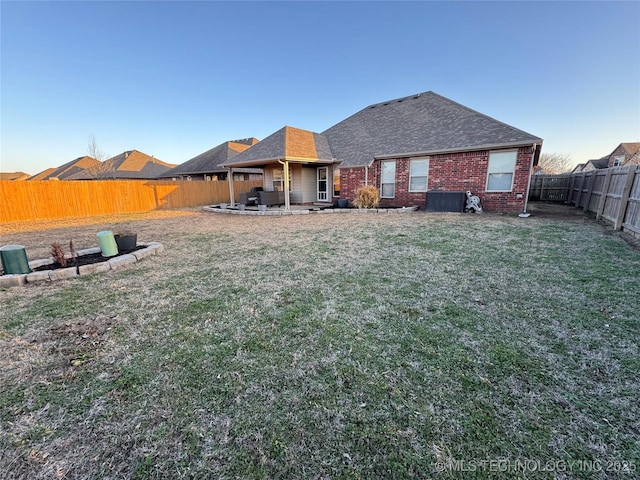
327 346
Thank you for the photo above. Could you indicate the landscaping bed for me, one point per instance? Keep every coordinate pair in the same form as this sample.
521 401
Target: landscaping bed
87 259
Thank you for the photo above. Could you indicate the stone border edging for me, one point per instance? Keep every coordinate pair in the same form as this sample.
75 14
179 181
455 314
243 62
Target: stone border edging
230 211
115 263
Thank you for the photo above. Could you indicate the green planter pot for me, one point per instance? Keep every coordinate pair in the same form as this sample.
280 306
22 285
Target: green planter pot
14 259
107 242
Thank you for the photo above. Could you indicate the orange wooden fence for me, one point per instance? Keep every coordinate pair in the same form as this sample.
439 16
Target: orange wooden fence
48 199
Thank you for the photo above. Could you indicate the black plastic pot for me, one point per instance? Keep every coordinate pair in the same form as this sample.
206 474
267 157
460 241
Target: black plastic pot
126 242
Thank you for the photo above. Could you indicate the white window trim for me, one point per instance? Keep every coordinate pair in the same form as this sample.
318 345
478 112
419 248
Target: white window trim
388 183
513 172
426 187
618 160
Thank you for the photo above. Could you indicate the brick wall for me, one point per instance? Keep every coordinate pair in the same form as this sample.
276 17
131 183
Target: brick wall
455 171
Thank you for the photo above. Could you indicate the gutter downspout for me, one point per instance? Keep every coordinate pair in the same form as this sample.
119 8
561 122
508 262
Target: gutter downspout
287 203
366 175
231 192
524 214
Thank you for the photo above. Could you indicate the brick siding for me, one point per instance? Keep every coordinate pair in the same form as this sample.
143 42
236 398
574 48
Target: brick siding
454 171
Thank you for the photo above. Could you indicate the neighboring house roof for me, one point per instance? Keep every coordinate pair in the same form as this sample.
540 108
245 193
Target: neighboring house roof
131 164
596 164
211 161
288 143
42 175
631 147
422 124
69 169
630 150
13 176
578 168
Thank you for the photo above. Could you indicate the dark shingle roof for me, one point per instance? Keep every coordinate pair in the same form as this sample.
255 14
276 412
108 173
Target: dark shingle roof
69 169
598 163
211 161
288 143
13 176
425 123
131 164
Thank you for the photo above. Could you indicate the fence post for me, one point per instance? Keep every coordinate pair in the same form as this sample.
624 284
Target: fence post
583 175
569 192
624 201
605 191
542 187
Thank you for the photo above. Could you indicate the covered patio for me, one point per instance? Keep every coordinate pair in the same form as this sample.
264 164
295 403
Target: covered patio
298 163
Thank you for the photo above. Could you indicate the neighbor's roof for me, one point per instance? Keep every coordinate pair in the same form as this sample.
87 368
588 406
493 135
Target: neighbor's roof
598 163
288 143
631 147
131 164
426 123
211 161
13 176
69 169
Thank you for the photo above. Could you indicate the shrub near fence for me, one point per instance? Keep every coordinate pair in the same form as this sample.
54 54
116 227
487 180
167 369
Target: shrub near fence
36 200
613 194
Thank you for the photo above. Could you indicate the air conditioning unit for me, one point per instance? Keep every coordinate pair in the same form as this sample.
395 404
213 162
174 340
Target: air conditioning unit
445 201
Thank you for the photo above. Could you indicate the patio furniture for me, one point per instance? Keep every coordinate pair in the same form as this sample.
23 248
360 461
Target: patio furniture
271 198
251 197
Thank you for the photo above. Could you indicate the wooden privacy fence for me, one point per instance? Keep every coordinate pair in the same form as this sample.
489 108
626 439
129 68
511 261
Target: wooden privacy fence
549 188
35 200
613 194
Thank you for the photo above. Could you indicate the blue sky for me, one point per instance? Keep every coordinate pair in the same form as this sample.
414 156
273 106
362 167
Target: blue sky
173 79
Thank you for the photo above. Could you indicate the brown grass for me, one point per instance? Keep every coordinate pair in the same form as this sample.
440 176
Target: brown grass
324 346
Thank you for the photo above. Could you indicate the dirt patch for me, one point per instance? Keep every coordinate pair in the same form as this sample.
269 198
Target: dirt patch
73 344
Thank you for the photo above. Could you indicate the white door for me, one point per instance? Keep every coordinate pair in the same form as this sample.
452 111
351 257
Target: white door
323 184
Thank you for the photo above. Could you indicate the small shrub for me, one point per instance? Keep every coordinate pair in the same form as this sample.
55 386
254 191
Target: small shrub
58 254
367 197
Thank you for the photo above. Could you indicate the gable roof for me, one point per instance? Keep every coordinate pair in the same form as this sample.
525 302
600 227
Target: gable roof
422 124
288 143
211 161
131 164
598 163
67 170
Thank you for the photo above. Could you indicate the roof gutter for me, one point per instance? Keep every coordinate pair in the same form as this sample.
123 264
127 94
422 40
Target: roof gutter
266 161
453 150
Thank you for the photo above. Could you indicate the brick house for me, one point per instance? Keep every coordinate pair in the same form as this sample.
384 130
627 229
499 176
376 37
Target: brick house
625 154
406 147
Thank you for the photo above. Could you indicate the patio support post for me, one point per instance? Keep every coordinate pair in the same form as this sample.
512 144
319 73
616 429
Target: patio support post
287 202
231 192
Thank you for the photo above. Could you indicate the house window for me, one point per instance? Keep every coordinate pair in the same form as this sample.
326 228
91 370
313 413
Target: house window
388 179
278 180
418 175
502 167
336 182
618 161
